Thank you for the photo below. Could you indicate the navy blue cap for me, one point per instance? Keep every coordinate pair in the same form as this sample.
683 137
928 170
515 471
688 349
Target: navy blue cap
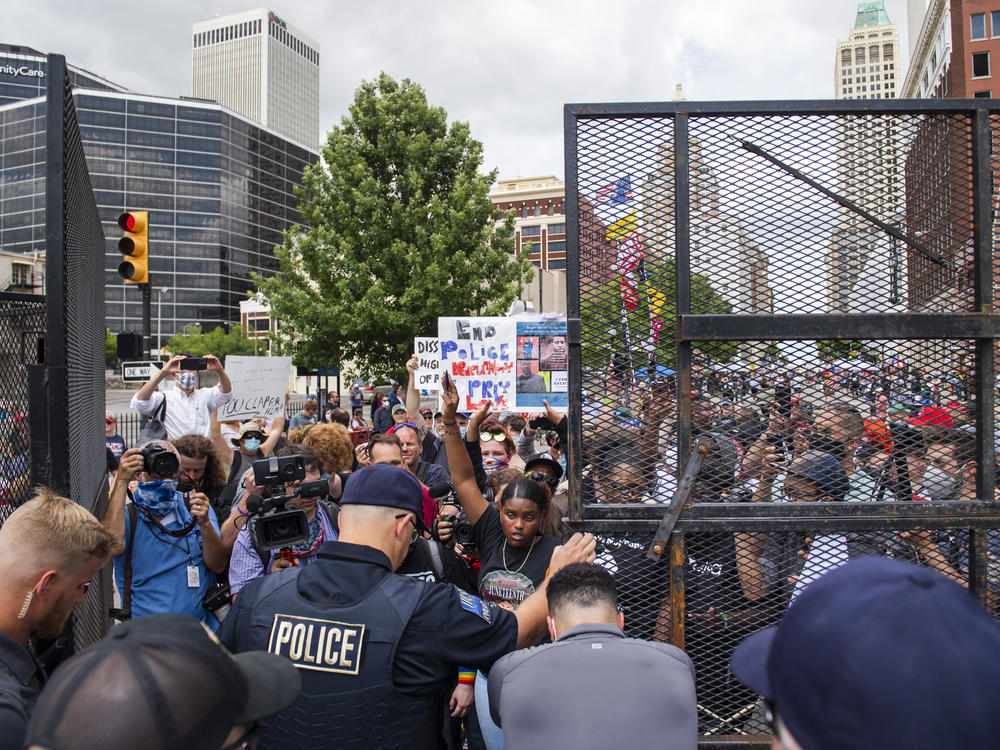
388 486
548 460
825 472
880 653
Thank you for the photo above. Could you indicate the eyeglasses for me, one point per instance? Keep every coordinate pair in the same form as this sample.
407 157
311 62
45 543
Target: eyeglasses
485 437
537 476
416 531
401 424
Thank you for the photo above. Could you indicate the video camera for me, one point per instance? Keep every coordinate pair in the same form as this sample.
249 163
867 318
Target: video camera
272 526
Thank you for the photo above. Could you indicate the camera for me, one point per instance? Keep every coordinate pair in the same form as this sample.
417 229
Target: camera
194 363
461 529
274 470
159 461
272 525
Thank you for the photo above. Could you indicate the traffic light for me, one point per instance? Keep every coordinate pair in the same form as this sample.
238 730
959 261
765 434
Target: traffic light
134 267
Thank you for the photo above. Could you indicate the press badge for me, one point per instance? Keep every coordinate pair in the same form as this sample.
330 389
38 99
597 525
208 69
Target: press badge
323 645
194 577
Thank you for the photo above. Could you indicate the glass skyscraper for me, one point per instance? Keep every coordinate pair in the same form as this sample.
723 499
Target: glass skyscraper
218 188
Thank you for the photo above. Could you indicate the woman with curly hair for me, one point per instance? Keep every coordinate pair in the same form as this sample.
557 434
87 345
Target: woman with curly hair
332 444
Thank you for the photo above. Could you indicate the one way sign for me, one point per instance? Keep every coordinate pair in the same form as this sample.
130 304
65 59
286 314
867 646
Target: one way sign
139 372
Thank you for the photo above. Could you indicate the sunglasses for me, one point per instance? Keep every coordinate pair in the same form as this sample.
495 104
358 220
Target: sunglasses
537 476
252 435
485 437
398 426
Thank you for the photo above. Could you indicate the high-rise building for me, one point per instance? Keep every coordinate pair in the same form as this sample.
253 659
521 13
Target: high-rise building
860 275
218 188
259 66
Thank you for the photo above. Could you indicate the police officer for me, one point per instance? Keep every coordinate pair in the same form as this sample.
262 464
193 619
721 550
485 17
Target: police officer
376 649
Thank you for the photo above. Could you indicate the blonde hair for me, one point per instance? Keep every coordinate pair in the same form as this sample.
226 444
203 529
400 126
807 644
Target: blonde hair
55 533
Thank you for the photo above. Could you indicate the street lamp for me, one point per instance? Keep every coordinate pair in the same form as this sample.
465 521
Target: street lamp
159 307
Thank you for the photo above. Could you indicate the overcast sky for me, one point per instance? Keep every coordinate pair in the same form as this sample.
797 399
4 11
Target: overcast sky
505 67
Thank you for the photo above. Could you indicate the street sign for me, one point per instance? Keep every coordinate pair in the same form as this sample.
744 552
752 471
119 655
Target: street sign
139 372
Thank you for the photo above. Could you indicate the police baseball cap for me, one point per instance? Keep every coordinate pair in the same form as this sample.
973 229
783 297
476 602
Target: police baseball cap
388 486
158 682
880 653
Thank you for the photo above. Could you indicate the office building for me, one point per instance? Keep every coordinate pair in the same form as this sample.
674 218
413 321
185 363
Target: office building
218 188
261 67
863 270
539 228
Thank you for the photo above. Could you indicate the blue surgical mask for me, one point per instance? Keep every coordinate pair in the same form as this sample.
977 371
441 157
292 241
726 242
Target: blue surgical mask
186 380
157 497
251 444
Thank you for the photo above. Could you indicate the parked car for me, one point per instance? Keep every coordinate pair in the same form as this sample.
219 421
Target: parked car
368 391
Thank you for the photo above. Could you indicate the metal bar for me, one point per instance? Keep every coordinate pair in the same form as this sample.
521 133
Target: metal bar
677 606
974 325
983 299
977 564
574 456
57 416
729 742
780 108
846 203
682 254
680 499
37 422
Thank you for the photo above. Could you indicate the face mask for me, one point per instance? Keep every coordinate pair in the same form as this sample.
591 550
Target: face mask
461 431
939 484
156 497
492 464
251 444
186 380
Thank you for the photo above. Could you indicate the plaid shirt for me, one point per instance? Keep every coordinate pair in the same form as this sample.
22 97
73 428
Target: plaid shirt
245 564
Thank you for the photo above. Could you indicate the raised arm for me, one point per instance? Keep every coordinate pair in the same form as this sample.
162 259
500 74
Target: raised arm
273 435
114 516
222 447
149 387
413 396
463 479
214 365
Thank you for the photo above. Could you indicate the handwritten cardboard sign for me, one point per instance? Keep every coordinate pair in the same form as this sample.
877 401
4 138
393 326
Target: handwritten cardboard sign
429 354
259 385
478 353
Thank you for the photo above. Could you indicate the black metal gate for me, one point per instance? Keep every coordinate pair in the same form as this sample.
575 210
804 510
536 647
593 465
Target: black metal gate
800 297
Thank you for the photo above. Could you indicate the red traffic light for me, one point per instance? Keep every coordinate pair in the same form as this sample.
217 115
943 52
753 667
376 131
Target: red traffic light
132 222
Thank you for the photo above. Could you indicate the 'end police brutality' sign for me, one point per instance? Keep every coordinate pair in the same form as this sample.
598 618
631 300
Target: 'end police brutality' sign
478 353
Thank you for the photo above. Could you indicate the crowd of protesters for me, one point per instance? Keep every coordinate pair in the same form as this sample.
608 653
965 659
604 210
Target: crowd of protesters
460 521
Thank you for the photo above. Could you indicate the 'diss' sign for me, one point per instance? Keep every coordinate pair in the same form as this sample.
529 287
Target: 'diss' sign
429 374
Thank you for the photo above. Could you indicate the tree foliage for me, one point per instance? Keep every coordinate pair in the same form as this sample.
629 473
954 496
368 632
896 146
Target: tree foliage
402 231
110 348
838 349
217 342
606 333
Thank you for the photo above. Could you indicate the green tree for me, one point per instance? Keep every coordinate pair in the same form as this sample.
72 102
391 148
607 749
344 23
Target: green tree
217 342
402 231
605 333
110 348
838 349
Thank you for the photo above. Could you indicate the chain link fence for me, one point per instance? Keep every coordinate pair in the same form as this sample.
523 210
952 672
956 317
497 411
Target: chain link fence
781 322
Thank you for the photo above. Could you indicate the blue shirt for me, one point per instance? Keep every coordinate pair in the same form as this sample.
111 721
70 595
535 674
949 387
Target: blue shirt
160 566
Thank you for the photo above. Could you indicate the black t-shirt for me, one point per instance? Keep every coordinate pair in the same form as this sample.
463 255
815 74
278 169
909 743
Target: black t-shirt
643 584
511 574
451 568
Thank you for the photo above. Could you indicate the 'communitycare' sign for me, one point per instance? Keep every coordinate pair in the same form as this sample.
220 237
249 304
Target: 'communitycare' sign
259 385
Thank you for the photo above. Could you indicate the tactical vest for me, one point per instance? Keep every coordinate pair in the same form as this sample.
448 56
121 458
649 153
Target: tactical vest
344 654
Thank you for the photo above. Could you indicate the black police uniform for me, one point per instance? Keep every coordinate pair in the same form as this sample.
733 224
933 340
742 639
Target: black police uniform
375 649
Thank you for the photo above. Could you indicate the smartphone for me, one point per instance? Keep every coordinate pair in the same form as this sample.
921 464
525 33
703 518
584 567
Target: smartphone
194 363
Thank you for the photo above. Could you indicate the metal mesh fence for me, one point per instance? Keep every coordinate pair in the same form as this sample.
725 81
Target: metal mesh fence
74 343
22 325
802 295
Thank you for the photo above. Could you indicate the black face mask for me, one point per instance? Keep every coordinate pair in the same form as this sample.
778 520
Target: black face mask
820 442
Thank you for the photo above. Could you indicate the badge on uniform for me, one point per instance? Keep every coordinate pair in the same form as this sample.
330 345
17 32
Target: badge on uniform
474 604
323 645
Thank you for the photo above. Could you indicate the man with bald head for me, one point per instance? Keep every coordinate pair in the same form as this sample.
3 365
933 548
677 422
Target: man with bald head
50 548
169 545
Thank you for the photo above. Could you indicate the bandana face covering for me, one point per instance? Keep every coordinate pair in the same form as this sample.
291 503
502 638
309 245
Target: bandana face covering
492 464
156 497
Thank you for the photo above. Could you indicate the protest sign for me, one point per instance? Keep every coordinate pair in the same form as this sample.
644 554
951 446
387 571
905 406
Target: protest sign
478 353
542 365
428 353
259 386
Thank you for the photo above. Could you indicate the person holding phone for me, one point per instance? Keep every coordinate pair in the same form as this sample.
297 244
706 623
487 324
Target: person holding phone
187 406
